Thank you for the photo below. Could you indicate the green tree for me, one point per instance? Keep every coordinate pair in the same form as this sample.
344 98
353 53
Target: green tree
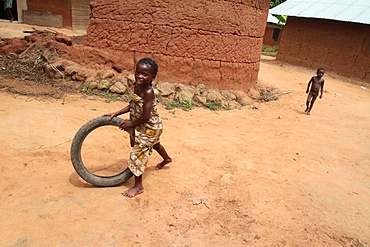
274 3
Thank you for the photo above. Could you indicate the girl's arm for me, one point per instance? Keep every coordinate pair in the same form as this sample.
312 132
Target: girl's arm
119 112
147 106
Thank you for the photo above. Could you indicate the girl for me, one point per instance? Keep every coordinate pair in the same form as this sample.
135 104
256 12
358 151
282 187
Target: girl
146 122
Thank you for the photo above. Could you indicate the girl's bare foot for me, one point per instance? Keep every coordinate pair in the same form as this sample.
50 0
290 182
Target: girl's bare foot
134 191
162 164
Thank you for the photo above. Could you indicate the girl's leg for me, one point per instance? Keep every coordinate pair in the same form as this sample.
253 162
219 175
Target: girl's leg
136 189
162 152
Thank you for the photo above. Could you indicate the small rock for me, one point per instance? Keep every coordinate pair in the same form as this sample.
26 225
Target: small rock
118 87
197 202
104 84
228 95
211 97
200 99
93 85
107 74
166 88
60 37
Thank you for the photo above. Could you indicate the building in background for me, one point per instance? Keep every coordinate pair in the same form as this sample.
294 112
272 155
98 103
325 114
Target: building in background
330 34
273 31
71 14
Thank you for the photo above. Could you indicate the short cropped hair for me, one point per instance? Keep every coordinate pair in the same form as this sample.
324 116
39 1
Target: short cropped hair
320 69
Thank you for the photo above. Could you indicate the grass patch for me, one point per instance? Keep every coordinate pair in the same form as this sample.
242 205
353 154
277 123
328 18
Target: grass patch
87 90
270 50
171 104
185 105
214 105
112 97
227 107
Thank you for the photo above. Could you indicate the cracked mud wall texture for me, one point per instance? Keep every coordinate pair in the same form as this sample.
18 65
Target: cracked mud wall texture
217 43
340 47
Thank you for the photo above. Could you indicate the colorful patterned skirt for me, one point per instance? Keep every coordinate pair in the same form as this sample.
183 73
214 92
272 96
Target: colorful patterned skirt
145 139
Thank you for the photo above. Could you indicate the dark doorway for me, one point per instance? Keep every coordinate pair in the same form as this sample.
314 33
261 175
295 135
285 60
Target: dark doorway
275 35
14 10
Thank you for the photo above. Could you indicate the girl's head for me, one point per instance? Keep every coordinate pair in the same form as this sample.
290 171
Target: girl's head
146 71
150 62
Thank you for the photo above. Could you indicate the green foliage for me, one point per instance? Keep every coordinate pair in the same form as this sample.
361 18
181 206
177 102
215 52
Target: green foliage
214 105
186 105
241 103
281 18
171 105
274 3
227 107
86 89
109 97
270 50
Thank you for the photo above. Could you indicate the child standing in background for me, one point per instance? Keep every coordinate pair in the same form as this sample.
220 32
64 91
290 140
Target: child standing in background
8 5
317 85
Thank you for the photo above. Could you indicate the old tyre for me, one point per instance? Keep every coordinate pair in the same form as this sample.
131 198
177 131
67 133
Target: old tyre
76 156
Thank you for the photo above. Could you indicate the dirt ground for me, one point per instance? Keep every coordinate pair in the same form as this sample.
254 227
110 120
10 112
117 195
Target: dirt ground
266 175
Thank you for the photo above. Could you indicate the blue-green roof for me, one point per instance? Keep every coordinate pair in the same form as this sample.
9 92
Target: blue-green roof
344 10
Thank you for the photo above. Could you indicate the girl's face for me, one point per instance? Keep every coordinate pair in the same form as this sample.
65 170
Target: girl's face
144 74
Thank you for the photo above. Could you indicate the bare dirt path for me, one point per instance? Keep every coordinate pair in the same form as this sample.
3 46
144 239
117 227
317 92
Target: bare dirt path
271 176
11 30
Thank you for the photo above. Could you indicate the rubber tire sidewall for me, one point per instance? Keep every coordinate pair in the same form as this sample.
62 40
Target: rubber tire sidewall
82 133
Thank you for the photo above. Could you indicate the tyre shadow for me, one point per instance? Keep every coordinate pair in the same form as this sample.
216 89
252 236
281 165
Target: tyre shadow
112 169
75 180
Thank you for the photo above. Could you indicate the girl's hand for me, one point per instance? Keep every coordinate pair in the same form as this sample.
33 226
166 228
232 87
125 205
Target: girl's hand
110 115
126 124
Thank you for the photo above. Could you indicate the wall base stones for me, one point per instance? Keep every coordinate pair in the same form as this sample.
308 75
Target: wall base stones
106 81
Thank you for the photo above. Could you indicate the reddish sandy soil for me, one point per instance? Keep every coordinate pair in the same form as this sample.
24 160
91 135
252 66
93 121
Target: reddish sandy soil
270 176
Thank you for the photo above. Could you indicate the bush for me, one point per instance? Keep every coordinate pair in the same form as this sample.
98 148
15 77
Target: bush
270 50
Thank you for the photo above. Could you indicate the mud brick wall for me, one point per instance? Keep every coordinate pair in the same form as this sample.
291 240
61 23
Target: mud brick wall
268 37
56 7
340 47
42 19
214 42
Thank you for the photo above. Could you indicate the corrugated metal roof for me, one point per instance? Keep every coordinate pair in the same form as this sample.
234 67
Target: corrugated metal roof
344 10
272 19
